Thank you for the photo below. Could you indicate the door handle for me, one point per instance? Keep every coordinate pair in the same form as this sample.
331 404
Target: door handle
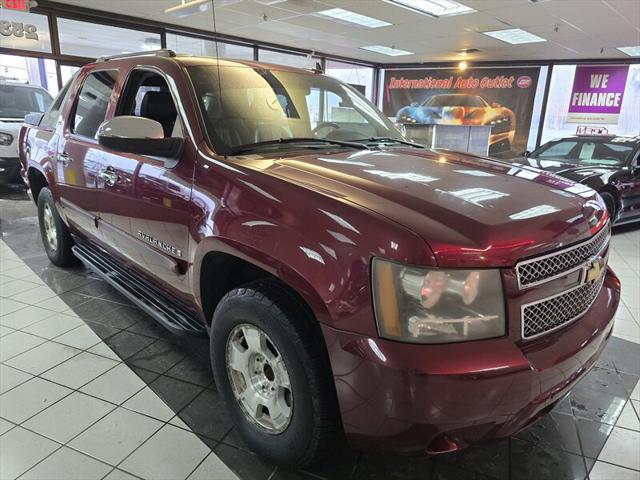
64 159
109 176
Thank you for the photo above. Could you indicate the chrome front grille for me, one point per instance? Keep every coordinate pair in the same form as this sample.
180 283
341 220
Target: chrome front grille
547 267
554 312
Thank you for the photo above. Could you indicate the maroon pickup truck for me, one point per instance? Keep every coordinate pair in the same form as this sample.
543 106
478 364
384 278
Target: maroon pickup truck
354 285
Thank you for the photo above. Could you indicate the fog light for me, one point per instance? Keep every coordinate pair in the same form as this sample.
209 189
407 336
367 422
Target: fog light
5 139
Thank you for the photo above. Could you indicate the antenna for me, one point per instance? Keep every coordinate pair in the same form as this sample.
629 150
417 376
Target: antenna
215 33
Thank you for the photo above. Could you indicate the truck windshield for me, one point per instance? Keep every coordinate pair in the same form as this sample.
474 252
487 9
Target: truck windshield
245 106
18 100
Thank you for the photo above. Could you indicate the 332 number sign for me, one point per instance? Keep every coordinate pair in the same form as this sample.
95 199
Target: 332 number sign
18 29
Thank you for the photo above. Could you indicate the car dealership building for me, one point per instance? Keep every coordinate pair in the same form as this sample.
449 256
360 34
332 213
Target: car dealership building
336 239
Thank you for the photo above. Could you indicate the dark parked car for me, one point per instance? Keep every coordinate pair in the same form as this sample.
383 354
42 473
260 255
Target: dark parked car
607 163
353 284
464 109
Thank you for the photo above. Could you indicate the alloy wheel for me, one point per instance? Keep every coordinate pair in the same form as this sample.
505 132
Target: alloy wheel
259 378
50 228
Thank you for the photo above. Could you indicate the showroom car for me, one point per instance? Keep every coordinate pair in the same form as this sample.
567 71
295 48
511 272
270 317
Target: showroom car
298 239
275 311
16 100
464 109
607 163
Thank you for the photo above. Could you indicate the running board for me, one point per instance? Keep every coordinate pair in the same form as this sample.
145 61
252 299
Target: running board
168 312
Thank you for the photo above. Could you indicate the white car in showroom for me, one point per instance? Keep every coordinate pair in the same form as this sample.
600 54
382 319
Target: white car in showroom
16 100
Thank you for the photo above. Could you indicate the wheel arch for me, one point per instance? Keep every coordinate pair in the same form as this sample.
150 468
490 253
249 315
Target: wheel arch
614 193
37 181
241 264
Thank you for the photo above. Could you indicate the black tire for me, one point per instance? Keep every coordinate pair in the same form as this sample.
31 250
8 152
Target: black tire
610 202
59 254
314 430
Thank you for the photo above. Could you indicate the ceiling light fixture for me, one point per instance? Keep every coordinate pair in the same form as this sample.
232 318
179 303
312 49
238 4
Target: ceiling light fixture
631 51
188 8
392 52
433 8
268 3
515 36
353 17
467 51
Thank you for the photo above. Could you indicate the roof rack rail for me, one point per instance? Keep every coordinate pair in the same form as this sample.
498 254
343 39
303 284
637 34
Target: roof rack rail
163 52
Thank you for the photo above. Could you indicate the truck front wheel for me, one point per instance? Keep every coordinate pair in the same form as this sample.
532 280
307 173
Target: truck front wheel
274 374
55 234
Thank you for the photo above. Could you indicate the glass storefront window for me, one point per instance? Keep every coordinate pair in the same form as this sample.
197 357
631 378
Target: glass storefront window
537 109
31 70
207 48
25 31
66 72
291 60
357 76
555 124
83 39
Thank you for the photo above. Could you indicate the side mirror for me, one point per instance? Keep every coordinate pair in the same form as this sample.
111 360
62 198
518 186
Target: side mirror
138 135
526 153
496 105
33 119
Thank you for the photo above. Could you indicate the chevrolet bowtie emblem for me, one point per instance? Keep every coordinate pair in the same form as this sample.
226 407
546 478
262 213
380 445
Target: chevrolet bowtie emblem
593 271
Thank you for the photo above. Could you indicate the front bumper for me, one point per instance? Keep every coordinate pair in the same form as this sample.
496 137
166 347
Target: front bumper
437 398
9 169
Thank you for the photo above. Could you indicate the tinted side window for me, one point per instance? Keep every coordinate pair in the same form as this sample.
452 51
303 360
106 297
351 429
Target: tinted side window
147 95
51 116
93 102
560 149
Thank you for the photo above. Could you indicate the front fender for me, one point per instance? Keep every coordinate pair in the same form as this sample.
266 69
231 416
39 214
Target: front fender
318 244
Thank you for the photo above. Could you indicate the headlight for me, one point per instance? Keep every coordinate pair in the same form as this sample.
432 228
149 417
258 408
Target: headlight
432 305
5 139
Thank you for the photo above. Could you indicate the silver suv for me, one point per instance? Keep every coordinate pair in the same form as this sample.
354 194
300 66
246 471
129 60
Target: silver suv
16 101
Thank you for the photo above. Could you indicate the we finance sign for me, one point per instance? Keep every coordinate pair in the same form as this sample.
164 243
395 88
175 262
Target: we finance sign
597 94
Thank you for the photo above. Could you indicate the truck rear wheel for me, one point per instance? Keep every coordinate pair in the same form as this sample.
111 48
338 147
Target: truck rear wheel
274 374
55 234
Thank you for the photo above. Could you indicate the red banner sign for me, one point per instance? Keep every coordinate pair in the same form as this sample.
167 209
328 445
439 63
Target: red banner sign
22 5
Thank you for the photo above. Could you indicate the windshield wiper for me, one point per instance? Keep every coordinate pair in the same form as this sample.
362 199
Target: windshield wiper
389 140
296 141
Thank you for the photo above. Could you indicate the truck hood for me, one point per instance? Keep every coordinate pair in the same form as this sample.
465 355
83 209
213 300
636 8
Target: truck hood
471 211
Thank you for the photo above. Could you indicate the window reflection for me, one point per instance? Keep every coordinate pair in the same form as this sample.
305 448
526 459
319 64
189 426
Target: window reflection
478 195
312 254
412 177
536 211
475 173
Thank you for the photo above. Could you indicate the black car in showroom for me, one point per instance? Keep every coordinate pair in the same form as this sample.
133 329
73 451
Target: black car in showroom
609 164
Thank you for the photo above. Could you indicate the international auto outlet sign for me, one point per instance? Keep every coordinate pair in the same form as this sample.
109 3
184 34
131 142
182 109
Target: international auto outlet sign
597 94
